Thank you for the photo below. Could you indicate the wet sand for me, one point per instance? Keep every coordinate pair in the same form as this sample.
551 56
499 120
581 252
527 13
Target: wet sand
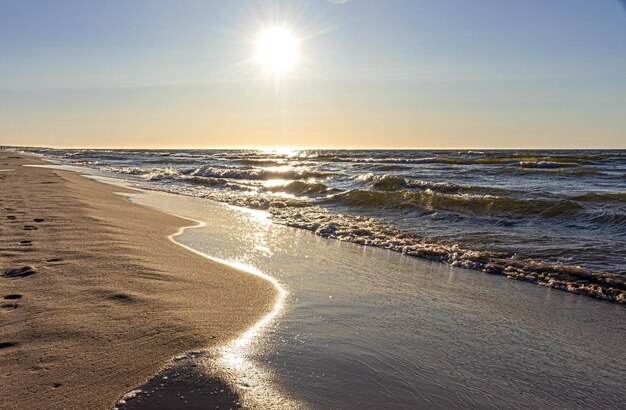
95 298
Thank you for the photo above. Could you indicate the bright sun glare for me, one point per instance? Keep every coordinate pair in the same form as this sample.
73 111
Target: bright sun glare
277 50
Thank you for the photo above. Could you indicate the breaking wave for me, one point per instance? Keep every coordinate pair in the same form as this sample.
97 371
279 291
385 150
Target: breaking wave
256 173
371 232
546 164
303 188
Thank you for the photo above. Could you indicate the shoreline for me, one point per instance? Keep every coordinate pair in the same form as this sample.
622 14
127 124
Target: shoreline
165 389
123 299
562 274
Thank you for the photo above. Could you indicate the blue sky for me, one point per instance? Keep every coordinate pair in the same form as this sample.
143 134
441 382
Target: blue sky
407 74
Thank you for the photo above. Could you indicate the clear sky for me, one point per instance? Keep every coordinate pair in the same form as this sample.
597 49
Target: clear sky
371 74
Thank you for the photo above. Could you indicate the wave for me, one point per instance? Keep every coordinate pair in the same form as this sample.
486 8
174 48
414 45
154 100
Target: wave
463 203
259 162
385 182
138 170
386 167
303 188
217 172
568 157
396 182
370 232
565 172
205 181
525 159
496 161
614 219
546 164
602 197
524 162
257 173
173 160
387 160
177 175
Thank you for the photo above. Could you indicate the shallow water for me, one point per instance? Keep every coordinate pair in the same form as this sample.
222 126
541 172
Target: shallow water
556 218
369 328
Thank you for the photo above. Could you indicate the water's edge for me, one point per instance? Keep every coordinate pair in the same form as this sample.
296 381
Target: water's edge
181 380
364 230
188 373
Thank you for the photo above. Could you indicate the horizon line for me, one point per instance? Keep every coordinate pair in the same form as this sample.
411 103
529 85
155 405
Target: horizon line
283 148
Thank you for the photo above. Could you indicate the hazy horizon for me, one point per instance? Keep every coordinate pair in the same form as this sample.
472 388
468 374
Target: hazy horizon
287 149
366 75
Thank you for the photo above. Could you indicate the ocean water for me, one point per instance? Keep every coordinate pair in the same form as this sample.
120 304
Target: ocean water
554 218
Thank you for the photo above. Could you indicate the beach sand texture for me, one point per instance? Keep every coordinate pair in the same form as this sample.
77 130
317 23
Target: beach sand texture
95 297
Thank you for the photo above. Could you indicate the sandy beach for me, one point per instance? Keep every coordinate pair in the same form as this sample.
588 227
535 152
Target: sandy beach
95 297
329 204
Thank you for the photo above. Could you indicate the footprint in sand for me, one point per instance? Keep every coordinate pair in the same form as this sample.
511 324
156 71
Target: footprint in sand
13 296
6 345
26 243
8 307
22 272
38 220
29 228
121 297
11 302
11 217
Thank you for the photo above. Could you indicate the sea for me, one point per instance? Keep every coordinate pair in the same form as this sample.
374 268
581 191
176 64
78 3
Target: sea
556 218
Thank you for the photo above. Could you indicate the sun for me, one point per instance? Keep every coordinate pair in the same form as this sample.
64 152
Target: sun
277 50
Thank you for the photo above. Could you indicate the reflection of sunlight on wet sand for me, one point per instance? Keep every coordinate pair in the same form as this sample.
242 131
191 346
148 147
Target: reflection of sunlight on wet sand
234 362
235 359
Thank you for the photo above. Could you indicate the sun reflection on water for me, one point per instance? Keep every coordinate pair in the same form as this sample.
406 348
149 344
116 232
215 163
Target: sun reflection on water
278 168
237 362
271 183
288 152
236 359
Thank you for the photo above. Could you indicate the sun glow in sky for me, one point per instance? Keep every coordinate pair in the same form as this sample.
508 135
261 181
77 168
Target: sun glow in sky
277 50
343 74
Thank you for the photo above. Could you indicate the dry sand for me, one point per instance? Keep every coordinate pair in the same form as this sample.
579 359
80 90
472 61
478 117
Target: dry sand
95 297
